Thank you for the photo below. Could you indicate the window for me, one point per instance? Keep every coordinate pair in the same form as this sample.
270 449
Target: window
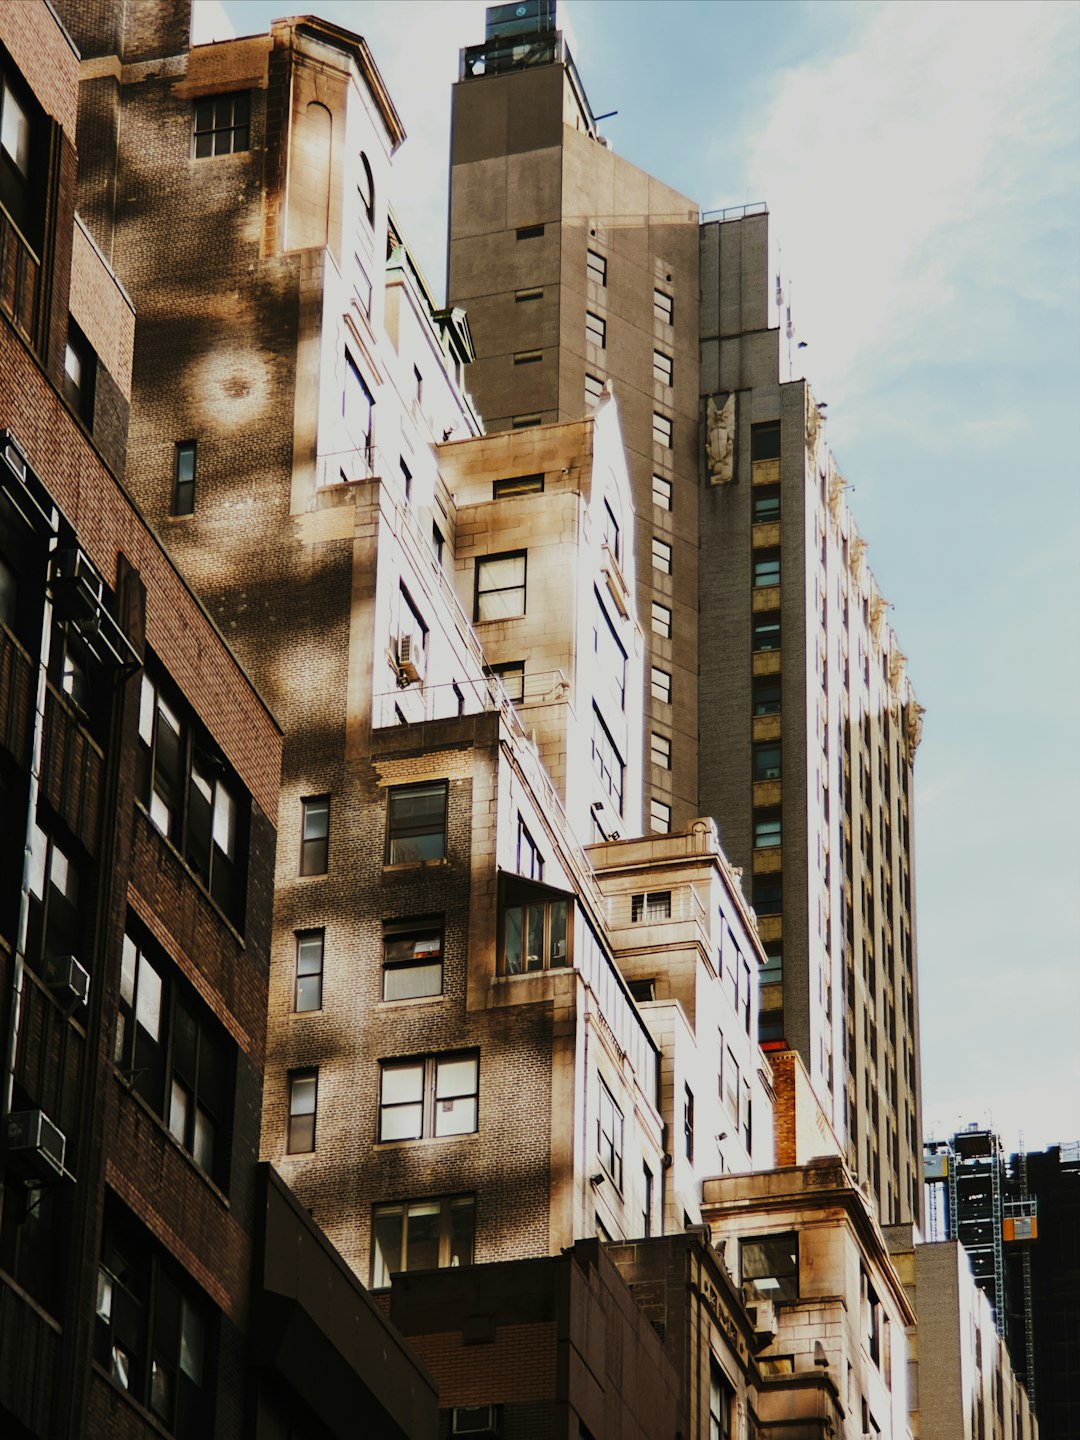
512 675
151 1331
660 685
766 828
646 1201
767 760
412 958
609 652
871 1318
765 631
660 817
765 441
309 970
663 368
535 933
315 835
406 478
661 430
524 422
654 905
428 1096
80 374
365 190
184 478
500 586
362 286
174 1053
744 994
14 130
357 405
612 534
661 492
765 504
663 307
528 357
661 620
529 232
192 797
530 862
769 894
596 267
222 125
766 694
418 385
688 1121
660 750
609 1135
767 568
607 761
523 296
416 823
517 485
303 1105
770 1266
438 544
434 1234
772 972
595 329
594 389
720 1398
642 989
732 1082
54 924
661 556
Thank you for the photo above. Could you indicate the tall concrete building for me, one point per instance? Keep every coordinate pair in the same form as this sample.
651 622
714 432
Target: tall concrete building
779 701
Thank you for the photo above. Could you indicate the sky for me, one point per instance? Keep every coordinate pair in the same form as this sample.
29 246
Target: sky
921 165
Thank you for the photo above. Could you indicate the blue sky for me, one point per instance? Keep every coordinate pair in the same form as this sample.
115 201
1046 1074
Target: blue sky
921 163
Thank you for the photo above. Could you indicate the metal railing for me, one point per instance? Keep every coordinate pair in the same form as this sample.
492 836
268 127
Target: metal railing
736 212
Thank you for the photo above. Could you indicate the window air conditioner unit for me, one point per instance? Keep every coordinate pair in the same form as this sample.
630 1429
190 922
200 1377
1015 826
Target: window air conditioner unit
410 657
36 1143
762 1315
608 822
67 979
476 1420
79 593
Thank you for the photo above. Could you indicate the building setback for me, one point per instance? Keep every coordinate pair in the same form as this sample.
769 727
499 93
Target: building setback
578 269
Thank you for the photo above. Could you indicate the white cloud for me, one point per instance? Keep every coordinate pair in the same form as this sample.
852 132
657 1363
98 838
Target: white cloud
910 173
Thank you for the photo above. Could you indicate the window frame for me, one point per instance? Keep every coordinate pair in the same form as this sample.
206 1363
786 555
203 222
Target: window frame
183 497
767 769
766 570
659 816
298 1141
761 498
663 306
529 858
661 555
405 831
228 125
762 699
381 1273
308 970
767 829
778 1293
597 272
660 750
660 619
650 906
765 441
510 670
663 368
610 1134
607 761
314 847
430 1099
660 685
595 330
594 389
663 430
418 930
481 590
766 625
518 485
662 492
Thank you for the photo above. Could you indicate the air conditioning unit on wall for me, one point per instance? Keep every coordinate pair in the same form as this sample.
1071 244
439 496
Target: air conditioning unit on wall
410 658
33 1142
476 1420
68 981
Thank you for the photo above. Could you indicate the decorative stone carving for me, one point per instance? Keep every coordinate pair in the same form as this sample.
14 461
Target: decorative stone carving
857 550
720 440
878 607
837 486
897 661
913 713
813 424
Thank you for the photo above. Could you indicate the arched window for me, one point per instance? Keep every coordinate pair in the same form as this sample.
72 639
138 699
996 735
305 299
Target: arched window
365 188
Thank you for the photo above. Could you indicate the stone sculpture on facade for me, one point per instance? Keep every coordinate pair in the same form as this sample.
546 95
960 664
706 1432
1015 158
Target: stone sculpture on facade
720 440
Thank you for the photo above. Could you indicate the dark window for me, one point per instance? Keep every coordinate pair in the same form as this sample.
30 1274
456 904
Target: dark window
768 894
596 267
765 441
525 422
54 927
530 862
427 1096
303 1108
416 823
80 374
529 232
594 389
661 430
766 694
721 1396
192 796
654 905
315 835
310 945
643 989
612 534
765 504
772 972
434 1234
522 296
222 125
362 286
517 485
609 652
767 760
609 1136
528 357
406 478
770 1266
595 329
357 405
512 675
688 1121
184 478
500 586
412 958
765 631
535 935
175 1054
647 1200
152 1330
663 307
663 368
607 761
365 190
418 385
766 828
767 568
